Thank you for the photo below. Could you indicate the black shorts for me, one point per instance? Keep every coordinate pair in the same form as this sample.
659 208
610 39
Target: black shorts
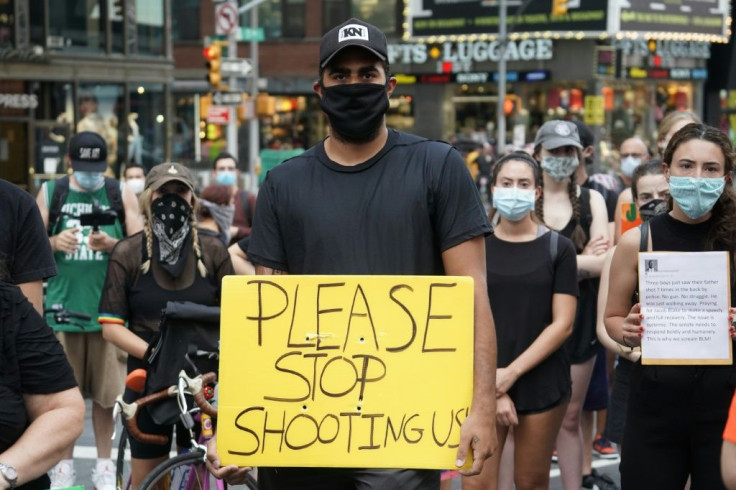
346 479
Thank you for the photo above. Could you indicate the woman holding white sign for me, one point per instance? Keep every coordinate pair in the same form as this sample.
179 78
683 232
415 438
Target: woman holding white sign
533 288
676 413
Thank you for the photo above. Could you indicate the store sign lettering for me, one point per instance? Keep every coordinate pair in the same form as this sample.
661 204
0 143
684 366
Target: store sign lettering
673 49
476 51
18 101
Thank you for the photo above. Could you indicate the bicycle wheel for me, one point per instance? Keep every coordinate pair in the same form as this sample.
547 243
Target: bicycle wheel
122 471
186 471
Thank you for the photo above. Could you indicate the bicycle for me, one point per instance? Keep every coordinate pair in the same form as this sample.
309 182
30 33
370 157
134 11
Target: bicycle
190 465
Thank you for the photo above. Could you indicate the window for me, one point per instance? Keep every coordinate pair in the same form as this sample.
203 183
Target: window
7 23
99 109
185 20
37 21
76 25
381 13
146 124
280 19
150 20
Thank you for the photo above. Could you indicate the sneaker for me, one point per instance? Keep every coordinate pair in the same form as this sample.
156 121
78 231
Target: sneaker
62 475
604 448
603 481
554 456
103 476
589 483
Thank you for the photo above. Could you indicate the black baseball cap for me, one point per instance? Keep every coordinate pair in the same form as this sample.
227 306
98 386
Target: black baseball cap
88 152
352 32
586 134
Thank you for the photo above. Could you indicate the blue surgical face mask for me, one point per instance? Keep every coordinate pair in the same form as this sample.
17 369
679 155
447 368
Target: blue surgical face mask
559 168
629 164
89 181
513 203
696 196
225 177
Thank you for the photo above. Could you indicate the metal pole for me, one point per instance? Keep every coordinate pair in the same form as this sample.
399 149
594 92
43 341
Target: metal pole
232 82
197 131
500 115
254 129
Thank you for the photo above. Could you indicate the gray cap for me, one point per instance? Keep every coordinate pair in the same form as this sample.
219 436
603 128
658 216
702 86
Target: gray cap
554 134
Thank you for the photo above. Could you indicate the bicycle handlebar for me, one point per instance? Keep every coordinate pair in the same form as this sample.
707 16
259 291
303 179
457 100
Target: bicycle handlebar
194 388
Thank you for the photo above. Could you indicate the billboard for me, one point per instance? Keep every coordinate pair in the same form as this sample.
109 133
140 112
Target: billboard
707 17
477 17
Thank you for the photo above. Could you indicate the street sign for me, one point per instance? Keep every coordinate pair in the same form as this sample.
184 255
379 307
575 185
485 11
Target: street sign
218 114
251 34
239 67
226 18
227 98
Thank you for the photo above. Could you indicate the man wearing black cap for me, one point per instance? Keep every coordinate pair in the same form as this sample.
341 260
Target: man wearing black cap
81 258
371 200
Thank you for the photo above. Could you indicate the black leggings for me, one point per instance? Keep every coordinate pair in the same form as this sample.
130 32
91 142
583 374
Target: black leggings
674 426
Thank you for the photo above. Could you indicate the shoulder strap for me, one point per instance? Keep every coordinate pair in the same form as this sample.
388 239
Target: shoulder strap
112 187
644 242
585 211
58 196
246 206
553 241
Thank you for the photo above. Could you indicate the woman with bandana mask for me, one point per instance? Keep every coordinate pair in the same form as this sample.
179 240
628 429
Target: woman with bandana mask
676 414
527 264
168 261
651 193
216 208
579 214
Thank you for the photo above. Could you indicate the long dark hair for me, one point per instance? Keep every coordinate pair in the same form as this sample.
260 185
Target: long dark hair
578 234
722 234
517 156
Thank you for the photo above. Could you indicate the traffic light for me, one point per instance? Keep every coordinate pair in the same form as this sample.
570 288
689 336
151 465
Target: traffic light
213 55
559 7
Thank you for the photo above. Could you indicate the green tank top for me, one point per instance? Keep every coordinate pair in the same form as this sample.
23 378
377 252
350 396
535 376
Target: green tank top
78 285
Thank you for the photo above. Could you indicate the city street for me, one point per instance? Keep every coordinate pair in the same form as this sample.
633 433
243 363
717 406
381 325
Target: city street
84 460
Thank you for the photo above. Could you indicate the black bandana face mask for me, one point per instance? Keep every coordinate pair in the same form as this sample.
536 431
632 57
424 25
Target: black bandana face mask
355 110
171 228
652 209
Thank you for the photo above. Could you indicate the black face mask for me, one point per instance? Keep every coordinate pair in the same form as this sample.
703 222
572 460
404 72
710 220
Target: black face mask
652 209
355 110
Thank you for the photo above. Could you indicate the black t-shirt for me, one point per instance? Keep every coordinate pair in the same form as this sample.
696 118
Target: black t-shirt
24 245
137 298
393 214
31 362
522 278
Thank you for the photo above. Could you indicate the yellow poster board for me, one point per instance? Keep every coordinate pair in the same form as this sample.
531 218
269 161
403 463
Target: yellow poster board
344 371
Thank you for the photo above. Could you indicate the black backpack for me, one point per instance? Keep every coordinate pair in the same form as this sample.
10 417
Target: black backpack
61 189
188 339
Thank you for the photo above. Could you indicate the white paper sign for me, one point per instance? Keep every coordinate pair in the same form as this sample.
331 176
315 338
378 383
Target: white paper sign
684 299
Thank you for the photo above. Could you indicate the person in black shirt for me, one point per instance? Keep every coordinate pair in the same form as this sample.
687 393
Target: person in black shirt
676 414
579 214
369 200
533 287
24 245
42 411
168 261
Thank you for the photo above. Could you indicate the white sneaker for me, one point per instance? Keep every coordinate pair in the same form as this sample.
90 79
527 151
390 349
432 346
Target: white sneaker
103 476
62 475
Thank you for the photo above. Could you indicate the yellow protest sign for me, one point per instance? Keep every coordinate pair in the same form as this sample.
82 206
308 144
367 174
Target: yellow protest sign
344 371
595 114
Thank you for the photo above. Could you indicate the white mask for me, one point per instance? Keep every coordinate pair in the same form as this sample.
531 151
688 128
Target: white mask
136 184
629 164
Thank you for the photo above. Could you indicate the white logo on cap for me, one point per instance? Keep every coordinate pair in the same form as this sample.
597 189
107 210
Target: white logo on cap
562 129
89 153
353 31
173 170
